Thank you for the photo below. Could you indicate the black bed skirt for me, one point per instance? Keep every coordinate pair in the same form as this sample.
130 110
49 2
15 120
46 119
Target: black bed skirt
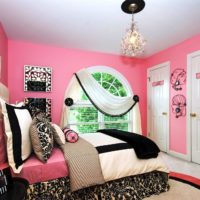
128 188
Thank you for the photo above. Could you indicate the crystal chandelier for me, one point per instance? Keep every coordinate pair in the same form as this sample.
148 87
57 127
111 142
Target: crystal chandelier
133 42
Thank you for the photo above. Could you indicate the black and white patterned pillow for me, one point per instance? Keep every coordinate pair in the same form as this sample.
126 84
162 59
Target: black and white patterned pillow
41 132
17 121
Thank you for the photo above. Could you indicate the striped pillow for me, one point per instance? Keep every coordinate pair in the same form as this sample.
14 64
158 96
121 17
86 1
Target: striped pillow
70 135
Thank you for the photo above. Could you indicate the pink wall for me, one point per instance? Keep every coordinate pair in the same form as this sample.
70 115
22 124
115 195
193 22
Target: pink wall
4 56
67 61
177 55
64 63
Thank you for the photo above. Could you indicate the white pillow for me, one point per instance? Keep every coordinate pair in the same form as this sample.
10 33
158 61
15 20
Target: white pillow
17 121
59 136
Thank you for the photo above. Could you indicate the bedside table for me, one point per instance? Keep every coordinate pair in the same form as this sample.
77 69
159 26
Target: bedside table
17 191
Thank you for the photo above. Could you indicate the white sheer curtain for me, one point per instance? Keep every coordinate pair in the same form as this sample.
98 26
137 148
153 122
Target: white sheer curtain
101 98
72 91
4 94
105 101
136 119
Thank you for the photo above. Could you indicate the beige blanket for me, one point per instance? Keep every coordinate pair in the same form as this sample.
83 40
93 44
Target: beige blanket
83 162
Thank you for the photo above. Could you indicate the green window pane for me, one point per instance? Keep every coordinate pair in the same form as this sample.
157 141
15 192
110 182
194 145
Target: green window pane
119 126
97 76
122 92
118 84
83 114
108 77
85 128
108 118
120 88
105 85
112 90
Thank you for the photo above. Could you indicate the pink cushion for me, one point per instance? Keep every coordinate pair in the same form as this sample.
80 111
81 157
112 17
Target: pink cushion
3 154
36 171
70 135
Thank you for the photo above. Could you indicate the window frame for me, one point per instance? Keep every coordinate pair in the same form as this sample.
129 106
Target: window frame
87 103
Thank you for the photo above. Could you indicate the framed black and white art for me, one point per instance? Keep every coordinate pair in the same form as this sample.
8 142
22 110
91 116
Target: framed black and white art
37 78
39 105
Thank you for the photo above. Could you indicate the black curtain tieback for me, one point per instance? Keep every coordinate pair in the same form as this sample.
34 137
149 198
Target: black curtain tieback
69 101
136 98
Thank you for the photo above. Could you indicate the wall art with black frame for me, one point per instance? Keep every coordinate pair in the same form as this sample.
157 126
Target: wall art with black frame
38 105
179 105
37 78
178 78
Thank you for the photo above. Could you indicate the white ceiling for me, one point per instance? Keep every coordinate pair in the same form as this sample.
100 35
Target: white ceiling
98 25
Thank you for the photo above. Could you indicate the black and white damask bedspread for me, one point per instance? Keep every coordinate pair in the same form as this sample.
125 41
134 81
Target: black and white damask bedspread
118 159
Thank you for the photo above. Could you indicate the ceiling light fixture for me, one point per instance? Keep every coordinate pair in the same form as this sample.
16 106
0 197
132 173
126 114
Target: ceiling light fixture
133 42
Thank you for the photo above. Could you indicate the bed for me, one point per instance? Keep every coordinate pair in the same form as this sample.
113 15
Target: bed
136 179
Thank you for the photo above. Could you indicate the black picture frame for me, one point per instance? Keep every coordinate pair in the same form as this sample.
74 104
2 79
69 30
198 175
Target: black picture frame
37 78
38 105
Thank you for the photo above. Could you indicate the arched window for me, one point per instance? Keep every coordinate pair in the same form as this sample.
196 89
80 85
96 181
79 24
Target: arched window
83 117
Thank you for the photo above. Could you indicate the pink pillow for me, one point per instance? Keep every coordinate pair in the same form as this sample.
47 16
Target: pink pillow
70 135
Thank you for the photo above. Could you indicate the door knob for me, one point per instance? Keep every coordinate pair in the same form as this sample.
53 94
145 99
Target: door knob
164 113
193 114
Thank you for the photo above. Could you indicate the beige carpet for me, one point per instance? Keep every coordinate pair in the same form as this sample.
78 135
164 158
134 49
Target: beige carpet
178 191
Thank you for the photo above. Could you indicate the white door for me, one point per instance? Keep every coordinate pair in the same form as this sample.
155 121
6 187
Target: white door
158 105
194 79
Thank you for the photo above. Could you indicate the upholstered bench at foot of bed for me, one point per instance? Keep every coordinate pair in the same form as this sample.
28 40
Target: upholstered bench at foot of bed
36 171
129 188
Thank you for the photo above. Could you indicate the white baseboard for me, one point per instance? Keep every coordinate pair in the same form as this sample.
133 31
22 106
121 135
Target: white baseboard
179 155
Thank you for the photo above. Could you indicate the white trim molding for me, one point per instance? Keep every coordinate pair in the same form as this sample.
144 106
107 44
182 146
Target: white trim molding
179 155
189 98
